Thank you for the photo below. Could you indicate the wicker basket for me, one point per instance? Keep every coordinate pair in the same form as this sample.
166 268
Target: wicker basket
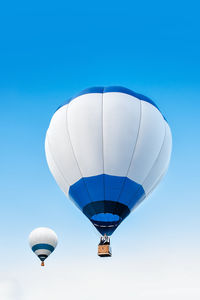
104 250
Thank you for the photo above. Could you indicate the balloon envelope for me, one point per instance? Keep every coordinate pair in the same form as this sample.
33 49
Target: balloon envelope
108 148
43 242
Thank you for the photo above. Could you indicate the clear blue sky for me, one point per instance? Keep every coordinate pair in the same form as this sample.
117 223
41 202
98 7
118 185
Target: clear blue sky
49 51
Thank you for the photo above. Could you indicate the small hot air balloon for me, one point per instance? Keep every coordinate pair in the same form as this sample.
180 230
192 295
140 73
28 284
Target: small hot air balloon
108 148
43 242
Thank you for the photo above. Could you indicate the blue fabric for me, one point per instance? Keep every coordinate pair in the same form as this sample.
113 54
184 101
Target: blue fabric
106 223
79 193
42 257
43 246
109 217
124 90
106 187
109 89
105 199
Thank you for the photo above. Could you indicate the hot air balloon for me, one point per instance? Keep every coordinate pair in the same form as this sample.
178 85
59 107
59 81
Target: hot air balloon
108 148
43 242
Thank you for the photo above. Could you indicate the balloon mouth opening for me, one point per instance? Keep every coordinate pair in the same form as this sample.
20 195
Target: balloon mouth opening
106 223
106 218
42 257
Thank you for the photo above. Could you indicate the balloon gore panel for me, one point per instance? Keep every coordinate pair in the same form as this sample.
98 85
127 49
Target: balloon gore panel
42 254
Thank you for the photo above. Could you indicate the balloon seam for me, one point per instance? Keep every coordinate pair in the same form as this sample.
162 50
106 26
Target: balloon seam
157 157
61 173
134 148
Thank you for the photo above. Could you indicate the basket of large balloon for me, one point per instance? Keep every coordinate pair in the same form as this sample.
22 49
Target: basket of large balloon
104 249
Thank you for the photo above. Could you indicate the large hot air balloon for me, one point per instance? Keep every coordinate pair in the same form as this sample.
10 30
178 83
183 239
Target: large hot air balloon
43 242
108 148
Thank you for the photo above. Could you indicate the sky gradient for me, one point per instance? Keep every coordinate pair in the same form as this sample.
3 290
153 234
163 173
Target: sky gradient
51 51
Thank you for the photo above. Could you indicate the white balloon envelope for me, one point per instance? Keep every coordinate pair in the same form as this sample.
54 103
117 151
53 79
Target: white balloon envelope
108 148
43 242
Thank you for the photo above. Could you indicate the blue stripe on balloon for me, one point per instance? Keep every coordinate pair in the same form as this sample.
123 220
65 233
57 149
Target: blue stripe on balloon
110 89
95 89
103 197
43 247
120 89
106 187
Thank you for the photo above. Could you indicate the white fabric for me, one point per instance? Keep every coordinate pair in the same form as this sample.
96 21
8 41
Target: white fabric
42 252
148 145
161 164
121 119
57 173
43 235
111 133
84 121
59 145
